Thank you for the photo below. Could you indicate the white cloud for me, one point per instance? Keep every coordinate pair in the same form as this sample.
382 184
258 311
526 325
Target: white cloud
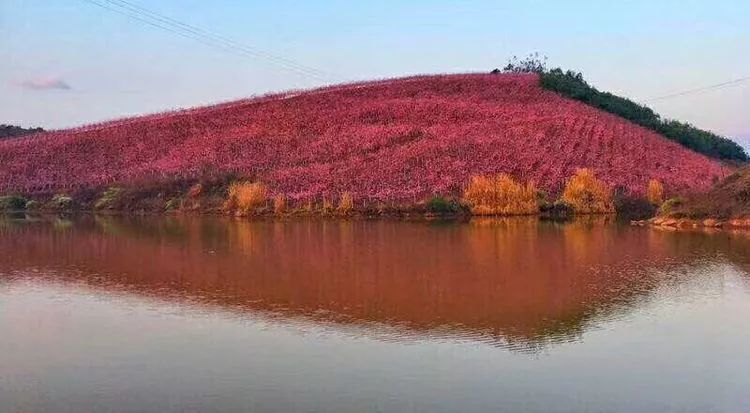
45 83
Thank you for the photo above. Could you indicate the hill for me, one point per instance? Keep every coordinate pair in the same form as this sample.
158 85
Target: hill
11 131
397 140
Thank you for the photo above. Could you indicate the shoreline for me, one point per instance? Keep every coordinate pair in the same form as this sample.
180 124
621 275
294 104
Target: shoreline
688 223
355 215
407 216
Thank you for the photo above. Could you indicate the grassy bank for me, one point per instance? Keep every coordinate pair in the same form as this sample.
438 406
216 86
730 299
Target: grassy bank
729 199
726 206
494 195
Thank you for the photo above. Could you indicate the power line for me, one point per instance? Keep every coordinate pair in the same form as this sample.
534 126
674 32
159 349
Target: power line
201 32
196 34
700 89
208 38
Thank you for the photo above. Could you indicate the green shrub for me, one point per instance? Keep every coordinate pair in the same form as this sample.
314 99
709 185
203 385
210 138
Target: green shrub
542 197
172 204
61 202
558 210
12 203
440 205
109 198
632 207
670 205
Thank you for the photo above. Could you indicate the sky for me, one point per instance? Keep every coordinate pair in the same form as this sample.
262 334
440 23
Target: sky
70 62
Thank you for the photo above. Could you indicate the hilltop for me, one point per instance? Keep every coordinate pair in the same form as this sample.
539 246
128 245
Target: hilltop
399 140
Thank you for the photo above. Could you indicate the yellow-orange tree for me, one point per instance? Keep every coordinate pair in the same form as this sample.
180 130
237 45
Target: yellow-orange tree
655 192
500 195
244 197
279 204
346 204
587 194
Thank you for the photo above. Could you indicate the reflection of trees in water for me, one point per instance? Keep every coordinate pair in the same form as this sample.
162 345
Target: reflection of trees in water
516 282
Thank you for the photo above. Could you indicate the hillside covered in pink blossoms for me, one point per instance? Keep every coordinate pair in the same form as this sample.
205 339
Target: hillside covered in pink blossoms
397 140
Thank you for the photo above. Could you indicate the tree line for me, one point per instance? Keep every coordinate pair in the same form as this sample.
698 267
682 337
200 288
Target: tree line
10 131
572 84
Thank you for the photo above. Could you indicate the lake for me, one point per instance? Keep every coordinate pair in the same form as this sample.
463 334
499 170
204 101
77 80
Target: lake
212 314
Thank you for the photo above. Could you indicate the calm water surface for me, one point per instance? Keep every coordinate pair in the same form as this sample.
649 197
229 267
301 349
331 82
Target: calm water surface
133 315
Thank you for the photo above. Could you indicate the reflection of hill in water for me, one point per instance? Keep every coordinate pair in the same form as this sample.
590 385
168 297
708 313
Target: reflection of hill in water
511 282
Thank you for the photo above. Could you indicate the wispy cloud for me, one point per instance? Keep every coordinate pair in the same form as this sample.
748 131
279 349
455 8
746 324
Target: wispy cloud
45 83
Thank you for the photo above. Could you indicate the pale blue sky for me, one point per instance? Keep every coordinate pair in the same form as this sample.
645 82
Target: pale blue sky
116 67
